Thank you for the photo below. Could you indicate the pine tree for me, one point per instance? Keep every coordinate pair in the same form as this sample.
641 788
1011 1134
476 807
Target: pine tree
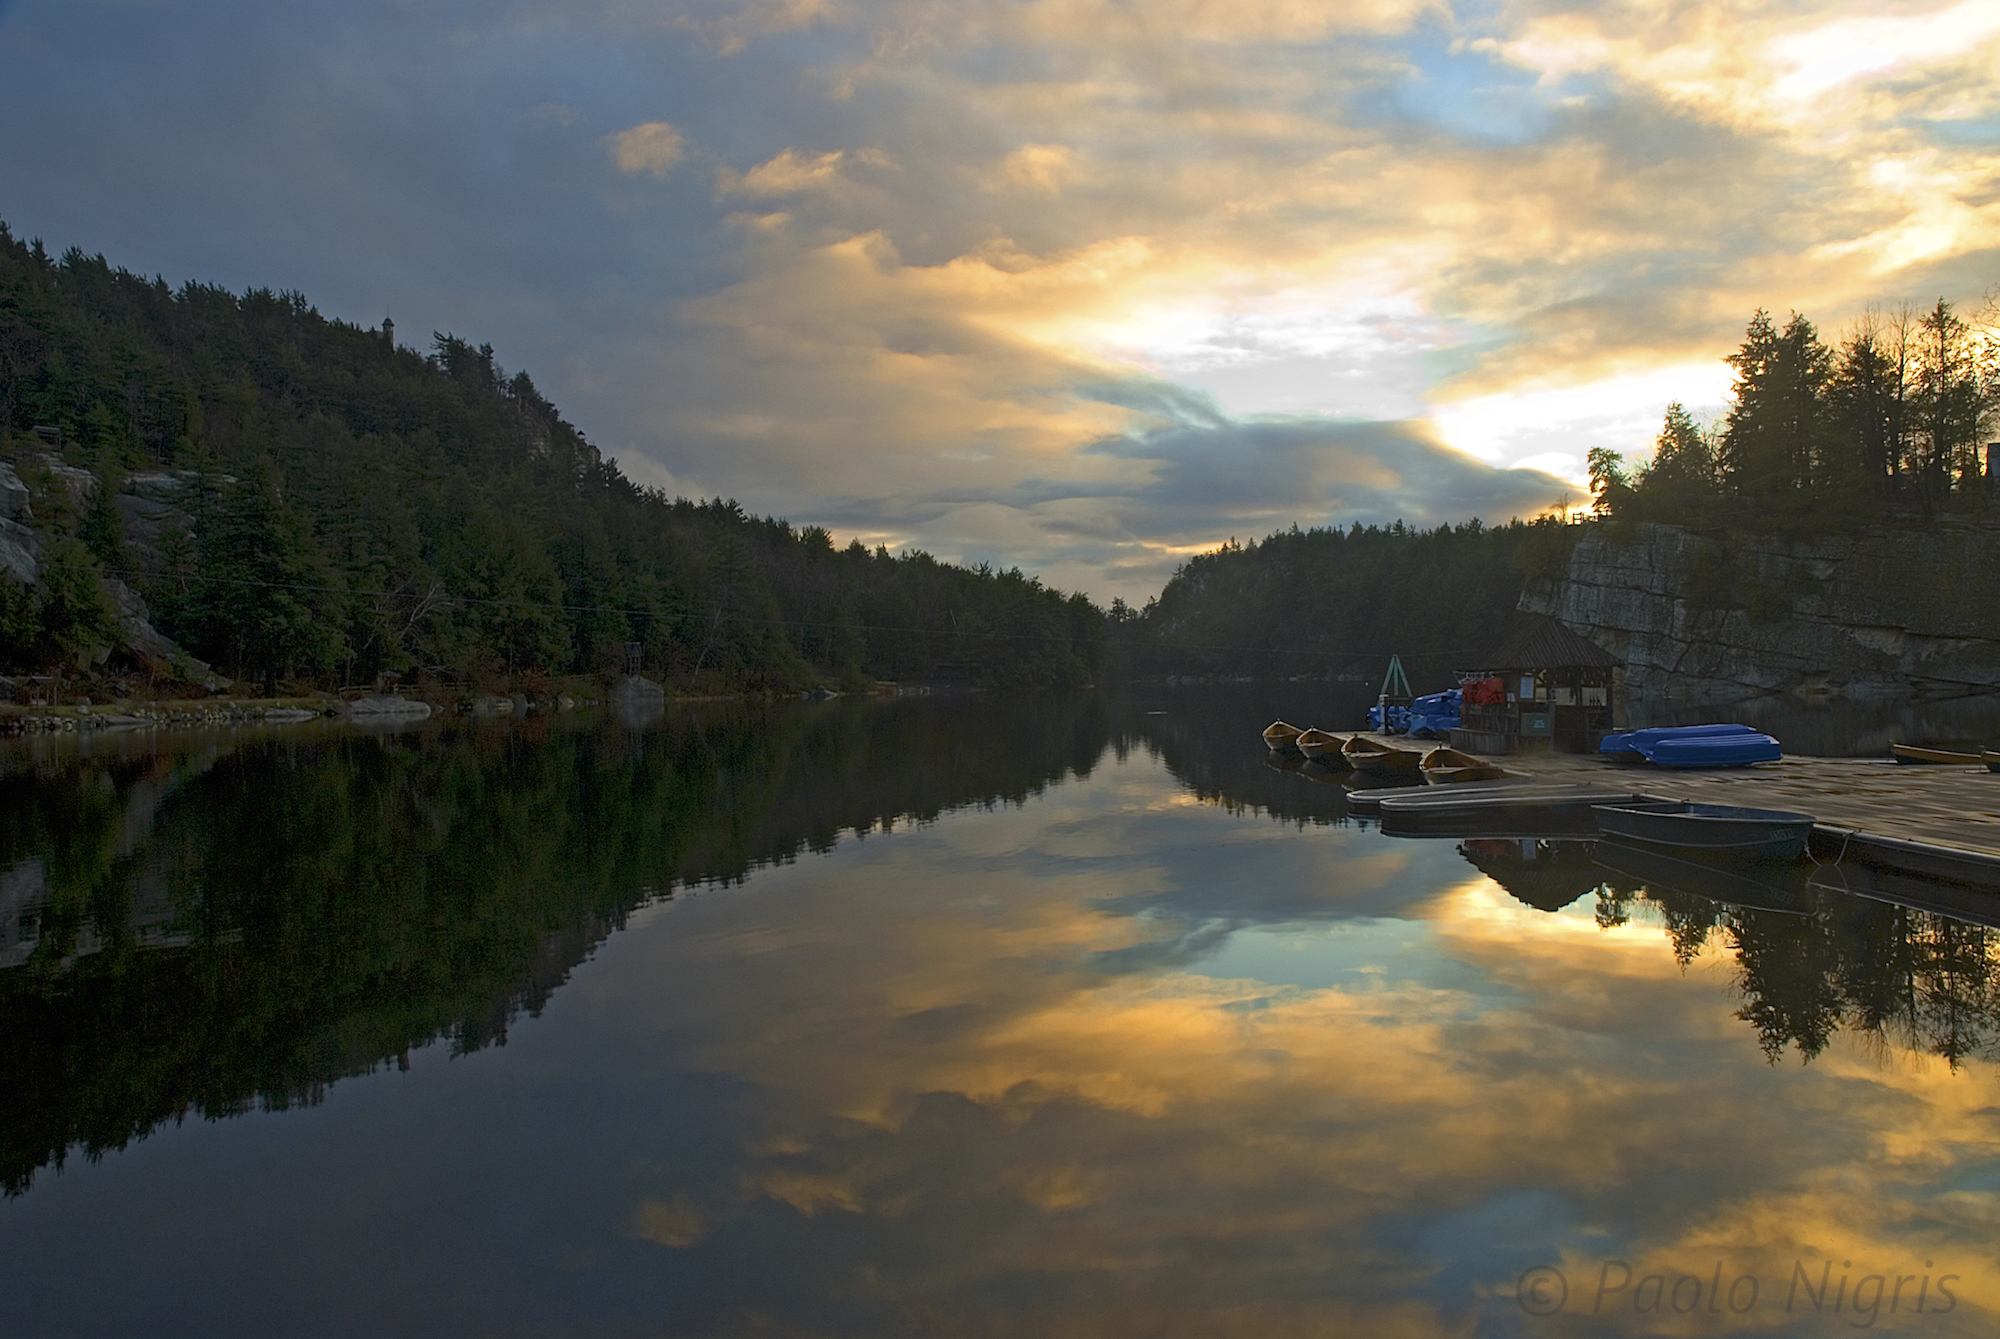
1683 463
1777 432
1947 404
1870 392
267 601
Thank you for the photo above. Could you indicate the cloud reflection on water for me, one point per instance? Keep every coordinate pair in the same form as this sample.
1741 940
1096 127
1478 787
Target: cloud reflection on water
1002 1069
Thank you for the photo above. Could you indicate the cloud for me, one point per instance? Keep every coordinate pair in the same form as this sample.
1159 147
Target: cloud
652 148
790 173
947 249
1142 1041
1040 169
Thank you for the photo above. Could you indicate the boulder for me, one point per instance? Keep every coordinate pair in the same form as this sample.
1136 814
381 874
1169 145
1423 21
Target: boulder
385 708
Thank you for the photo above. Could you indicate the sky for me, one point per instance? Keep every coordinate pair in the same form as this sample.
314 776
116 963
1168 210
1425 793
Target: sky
1083 286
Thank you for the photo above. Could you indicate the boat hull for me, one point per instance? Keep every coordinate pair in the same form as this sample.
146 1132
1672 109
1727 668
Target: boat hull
1278 736
1714 829
1322 747
1917 754
1511 811
1365 755
1448 766
1725 745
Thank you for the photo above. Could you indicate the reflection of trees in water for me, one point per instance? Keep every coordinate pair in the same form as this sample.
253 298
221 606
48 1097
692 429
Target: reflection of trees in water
1210 740
1912 980
331 906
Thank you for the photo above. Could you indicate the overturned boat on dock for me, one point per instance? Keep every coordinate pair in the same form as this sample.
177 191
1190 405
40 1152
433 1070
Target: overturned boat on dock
1721 745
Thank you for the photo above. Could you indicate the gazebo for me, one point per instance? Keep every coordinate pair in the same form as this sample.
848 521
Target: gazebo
1544 688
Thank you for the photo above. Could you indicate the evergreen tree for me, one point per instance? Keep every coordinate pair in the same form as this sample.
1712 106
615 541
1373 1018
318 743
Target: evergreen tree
1947 405
1869 392
1610 484
1683 465
267 602
1777 430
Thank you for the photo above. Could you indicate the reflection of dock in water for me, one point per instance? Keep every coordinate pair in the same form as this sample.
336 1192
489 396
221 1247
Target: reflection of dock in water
1938 822
1547 874
1893 828
1756 885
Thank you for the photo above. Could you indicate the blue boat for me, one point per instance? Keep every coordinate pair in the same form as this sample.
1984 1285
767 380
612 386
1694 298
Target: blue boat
1727 745
1713 829
1396 722
1435 715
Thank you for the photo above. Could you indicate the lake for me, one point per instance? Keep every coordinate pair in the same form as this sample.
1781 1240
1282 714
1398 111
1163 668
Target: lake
952 1016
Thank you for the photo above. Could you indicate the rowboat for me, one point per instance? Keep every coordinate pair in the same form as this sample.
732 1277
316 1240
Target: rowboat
1370 755
1443 765
1320 746
1991 759
1717 829
1916 753
1279 735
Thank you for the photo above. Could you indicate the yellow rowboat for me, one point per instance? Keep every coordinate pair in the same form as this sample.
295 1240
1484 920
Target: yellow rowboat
1370 755
1915 753
1320 746
1278 735
1442 766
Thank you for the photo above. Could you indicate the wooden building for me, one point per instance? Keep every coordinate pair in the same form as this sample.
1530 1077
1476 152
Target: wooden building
1544 689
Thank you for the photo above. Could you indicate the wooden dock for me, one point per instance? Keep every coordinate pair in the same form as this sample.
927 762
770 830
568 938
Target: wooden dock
1927 822
1956 807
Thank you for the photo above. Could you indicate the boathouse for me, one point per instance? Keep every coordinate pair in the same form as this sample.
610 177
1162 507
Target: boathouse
1544 688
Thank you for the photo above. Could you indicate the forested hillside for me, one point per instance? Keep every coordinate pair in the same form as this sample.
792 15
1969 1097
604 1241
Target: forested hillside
297 498
1339 602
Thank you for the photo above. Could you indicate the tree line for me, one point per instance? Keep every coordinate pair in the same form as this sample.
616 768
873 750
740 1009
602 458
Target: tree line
1337 602
1892 422
343 507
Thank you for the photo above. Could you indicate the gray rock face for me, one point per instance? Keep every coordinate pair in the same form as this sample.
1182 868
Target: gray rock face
1880 614
14 497
155 511
637 702
149 511
20 553
632 688
78 485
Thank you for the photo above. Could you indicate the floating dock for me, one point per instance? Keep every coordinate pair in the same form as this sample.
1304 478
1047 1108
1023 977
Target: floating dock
1897 829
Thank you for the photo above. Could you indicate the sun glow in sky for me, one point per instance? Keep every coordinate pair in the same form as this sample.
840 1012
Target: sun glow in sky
1081 285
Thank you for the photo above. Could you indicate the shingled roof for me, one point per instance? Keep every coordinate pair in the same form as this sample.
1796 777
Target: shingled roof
1547 644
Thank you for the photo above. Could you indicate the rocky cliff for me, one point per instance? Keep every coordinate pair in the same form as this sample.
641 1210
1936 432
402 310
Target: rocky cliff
151 512
1697 615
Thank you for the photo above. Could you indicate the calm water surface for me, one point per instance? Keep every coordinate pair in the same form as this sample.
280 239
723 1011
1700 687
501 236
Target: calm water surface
950 1017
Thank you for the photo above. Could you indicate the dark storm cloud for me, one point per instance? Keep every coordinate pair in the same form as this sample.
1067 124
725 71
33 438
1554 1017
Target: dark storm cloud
1325 471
